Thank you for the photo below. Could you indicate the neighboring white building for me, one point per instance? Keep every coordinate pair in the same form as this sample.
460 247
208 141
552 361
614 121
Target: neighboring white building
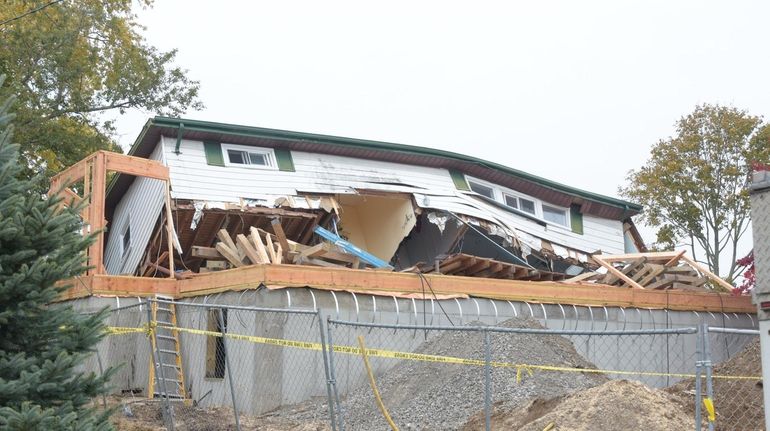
402 203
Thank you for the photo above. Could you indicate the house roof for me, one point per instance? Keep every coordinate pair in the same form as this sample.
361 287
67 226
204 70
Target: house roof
542 188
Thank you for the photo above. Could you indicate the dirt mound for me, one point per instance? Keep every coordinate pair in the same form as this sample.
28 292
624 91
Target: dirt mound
738 403
427 395
617 404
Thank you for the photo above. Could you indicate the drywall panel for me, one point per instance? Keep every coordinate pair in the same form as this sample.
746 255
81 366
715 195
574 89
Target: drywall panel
377 223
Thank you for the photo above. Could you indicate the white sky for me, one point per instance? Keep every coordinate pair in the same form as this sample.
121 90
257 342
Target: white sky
573 91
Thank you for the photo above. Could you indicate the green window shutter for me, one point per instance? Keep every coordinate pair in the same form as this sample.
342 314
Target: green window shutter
213 152
459 179
284 160
576 219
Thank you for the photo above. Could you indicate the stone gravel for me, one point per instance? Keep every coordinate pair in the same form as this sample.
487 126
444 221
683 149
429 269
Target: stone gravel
439 396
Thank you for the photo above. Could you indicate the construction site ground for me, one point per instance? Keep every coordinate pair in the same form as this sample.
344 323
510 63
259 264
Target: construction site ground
432 396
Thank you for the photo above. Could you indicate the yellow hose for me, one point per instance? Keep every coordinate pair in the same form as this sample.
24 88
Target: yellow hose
374 385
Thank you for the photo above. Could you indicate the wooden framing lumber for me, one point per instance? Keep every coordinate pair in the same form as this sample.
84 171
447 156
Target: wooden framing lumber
230 254
280 234
136 166
208 253
224 237
725 285
249 249
260 246
616 272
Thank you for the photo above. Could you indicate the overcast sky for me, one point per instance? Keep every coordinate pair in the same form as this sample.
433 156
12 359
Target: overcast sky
573 91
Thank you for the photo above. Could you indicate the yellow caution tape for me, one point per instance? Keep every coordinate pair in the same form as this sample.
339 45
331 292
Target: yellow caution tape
709 404
392 354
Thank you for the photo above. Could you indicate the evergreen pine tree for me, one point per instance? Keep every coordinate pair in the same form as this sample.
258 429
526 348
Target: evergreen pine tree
41 343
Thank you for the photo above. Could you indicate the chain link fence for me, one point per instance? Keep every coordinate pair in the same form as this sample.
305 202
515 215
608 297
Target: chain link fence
218 366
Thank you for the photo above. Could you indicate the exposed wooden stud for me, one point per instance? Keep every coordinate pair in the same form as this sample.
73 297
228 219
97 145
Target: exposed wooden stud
616 272
270 249
249 249
725 285
169 226
260 246
224 237
229 254
280 234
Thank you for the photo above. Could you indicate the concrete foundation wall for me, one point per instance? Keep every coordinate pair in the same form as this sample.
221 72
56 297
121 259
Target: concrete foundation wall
268 376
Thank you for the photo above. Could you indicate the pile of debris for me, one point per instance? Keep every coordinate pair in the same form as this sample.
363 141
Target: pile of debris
661 270
617 404
429 395
475 266
262 247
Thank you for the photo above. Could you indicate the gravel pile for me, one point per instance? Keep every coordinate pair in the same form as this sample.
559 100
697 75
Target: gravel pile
615 405
428 396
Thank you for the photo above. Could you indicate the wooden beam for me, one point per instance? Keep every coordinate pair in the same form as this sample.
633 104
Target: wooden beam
208 253
617 273
257 240
137 166
248 248
550 292
658 255
230 254
280 234
96 213
224 236
72 174
703 270
169 228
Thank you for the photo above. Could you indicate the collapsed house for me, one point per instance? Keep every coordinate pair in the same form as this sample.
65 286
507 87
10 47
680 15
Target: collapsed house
408 206
199 208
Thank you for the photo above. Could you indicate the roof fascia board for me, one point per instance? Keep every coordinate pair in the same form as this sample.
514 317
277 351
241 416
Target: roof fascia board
284 135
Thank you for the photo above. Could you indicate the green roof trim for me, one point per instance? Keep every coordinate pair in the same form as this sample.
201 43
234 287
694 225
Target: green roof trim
258 132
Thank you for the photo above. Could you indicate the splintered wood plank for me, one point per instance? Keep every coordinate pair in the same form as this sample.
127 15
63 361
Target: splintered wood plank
230 255
616 272
280 234
224 236
259 245
270 249
278 254
249 249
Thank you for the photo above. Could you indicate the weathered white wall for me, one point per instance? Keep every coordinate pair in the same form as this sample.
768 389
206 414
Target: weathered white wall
140 206
193 178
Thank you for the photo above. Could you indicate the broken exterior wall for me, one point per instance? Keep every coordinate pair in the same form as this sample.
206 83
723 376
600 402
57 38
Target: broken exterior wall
192 178
140 208
376 223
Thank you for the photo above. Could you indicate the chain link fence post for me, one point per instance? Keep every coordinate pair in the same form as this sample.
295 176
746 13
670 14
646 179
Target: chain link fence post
327 375
698 363
707 366
228 368
487 381
160 378
340 413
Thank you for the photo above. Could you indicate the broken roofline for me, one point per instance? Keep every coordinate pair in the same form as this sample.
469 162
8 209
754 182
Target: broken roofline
204 130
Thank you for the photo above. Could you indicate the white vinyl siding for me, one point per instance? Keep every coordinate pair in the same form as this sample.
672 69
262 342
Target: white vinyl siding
137 212
192 178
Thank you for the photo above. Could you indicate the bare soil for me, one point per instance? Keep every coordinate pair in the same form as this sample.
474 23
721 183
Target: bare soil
147 416
617 404
738 403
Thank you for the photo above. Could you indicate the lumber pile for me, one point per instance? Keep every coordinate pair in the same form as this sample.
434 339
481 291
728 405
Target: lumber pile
658 270
474 266
261 247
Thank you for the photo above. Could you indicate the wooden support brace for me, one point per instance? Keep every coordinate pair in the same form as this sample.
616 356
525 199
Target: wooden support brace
617 273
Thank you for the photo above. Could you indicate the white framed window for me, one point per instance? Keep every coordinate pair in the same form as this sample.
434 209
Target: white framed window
249 157
482 189
556 215
520 203
125 239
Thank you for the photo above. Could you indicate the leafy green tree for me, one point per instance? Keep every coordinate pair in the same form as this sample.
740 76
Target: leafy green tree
74 62
41 345
693 187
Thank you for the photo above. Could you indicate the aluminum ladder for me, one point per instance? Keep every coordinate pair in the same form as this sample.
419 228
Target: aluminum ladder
166 353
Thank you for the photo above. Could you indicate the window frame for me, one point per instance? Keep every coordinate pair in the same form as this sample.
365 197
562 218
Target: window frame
565 211
272 164
494 188
125 249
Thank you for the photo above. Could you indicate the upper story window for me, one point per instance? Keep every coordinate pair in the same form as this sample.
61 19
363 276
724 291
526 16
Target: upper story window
482 189
523 204
555 215
534 207
250 157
